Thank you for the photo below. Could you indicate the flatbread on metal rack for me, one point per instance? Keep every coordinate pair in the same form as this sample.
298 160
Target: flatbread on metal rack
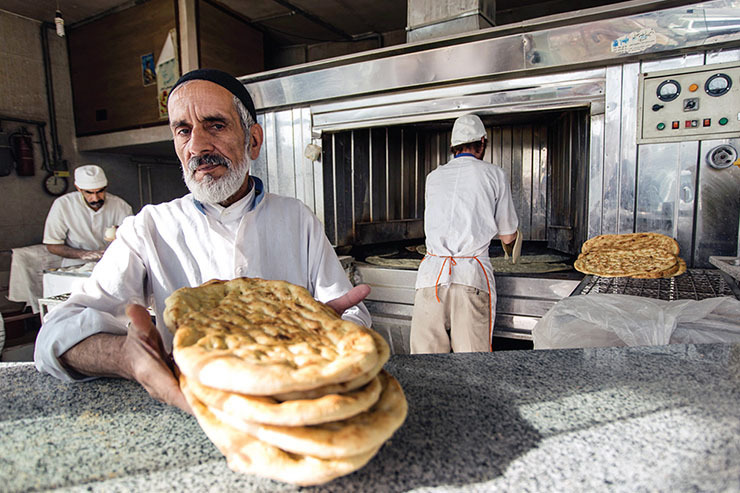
637 255
623 263
632 241
259 337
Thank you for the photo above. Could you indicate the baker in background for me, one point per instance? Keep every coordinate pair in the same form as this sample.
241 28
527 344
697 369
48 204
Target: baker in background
227 227
468 203
77 221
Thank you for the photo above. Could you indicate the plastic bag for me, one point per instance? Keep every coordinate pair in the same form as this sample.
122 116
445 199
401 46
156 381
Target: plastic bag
599 320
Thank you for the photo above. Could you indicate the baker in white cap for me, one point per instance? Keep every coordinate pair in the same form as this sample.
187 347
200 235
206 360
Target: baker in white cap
77 222
468 203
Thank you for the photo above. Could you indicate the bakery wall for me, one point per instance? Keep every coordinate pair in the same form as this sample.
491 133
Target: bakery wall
23 96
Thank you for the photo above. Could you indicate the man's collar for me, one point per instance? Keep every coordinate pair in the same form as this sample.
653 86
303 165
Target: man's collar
258 195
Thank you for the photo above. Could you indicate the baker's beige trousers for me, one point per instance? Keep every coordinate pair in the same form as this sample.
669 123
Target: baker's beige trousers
458 322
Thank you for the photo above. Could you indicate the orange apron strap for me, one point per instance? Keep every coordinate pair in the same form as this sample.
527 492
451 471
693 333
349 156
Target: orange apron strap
488 286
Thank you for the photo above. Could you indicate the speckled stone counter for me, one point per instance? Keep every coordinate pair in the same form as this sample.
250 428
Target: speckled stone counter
617 419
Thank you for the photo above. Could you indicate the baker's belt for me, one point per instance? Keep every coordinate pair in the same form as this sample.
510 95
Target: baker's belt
451 259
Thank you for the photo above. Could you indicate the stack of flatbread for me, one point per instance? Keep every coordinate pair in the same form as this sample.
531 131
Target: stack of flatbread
282 385
637 255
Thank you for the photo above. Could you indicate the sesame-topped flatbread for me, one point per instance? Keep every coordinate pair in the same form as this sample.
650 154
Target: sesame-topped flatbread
617 263
632 241
259 337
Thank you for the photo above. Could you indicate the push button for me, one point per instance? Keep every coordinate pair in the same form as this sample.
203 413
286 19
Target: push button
660 126
723 121
707 122
675 125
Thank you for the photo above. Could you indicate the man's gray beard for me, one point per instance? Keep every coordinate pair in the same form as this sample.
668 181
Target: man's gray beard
216 190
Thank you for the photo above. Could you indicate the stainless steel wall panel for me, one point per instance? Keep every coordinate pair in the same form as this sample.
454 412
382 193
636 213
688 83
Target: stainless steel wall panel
527 197
692 60
544 47
596 176
722 56
259 165
628 149
718 209
538 229
286 182
303 187
568 93
270 147
612 154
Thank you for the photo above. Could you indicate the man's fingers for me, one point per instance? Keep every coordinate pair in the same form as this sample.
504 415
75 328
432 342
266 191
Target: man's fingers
350 299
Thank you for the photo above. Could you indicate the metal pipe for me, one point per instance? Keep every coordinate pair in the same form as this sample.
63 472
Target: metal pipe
56 154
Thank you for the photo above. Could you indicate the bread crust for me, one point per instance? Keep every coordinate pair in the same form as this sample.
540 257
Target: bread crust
259 337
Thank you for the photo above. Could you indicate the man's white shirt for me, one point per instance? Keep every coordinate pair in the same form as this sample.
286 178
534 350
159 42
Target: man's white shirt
72 222
177 244
467 203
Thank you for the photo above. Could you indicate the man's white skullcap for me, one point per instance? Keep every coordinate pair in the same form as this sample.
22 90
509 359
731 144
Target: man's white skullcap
467 128
90 177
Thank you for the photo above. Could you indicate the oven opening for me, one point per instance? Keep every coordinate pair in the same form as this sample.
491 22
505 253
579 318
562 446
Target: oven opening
374 211
374 177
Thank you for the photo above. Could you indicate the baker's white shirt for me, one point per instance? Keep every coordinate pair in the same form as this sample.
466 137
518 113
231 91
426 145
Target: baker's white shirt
467 203
72 222
175 244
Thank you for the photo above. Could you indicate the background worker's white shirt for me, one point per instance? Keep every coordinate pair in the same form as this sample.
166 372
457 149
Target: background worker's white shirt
72 222
467 203
173 245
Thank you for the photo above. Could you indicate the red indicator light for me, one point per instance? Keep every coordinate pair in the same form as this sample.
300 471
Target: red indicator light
674 125
707 122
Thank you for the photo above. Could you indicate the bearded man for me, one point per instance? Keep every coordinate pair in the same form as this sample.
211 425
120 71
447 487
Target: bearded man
227 227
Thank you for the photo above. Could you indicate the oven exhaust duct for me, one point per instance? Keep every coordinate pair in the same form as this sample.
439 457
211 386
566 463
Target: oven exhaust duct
428 19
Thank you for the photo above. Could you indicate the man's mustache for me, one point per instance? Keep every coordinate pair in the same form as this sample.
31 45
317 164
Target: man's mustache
207 159
97 203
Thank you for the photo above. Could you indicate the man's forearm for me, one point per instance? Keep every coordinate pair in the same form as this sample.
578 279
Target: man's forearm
78 253
100 355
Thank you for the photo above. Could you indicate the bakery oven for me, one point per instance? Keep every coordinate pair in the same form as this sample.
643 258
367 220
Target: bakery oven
610 121
374 210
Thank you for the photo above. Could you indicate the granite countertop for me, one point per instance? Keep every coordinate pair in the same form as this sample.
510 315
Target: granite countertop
661 418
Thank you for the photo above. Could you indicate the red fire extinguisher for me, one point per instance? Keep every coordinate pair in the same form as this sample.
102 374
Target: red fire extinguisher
22 147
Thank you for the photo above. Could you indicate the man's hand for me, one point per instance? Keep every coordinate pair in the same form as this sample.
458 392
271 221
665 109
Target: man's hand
69 252
92 255
349 299
147 359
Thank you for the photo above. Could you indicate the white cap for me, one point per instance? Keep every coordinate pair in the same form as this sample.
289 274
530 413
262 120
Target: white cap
90 177
467 128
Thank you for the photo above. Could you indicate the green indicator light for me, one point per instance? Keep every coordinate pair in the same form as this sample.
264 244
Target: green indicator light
661 126
723 121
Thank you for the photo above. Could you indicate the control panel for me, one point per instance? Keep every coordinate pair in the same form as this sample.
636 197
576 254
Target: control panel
689 104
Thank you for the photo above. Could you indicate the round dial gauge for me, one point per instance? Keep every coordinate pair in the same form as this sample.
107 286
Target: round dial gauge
55 185
718 84
668 90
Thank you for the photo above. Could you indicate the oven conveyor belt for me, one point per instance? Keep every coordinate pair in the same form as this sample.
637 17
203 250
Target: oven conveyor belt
694 284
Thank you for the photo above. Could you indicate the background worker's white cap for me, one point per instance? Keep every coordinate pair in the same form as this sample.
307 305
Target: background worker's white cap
467 128
90 177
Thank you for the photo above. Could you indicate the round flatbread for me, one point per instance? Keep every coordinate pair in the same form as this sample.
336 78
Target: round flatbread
384 352
632 241
247 455
259 337
359 434
618 263
332 407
